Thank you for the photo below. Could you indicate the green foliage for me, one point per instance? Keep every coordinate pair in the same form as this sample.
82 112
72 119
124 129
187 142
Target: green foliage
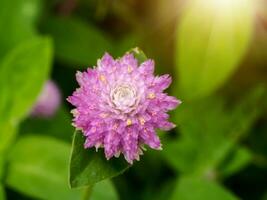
1 167
59 126
38 167
17 19
139 54
124 44
104 190
239 158
8 132
88 167
210 45
2 193
27 66
200 189
77 42
218 135
206 141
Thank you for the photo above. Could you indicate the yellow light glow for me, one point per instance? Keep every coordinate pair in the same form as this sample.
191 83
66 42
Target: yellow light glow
225 6
224 3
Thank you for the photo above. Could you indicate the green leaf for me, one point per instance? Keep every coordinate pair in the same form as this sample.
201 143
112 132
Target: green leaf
264 196
211 45
200 189
2 193
8 133
237 160
1 166
38 167
88 167
124 44
139 54
206 141
17 20
77 43
22 75
58 125
104 190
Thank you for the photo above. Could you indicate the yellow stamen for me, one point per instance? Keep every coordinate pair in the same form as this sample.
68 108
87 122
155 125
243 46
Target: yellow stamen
130 69
129 122
102 78
142 120
103 115
151 95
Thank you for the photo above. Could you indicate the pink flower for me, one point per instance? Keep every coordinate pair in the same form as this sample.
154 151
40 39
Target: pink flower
120 104
48 101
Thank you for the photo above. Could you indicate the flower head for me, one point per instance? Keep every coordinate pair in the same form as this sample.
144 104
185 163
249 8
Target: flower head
120 104
48 101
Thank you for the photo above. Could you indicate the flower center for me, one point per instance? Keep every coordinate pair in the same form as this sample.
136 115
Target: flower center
124 97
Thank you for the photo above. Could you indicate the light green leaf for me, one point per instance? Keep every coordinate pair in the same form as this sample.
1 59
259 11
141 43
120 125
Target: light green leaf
211 45
17 19
88 167
237 160
77 43
38 167
1 166
2 193
139 54
7 136
8 132
104 190
200 189
22 74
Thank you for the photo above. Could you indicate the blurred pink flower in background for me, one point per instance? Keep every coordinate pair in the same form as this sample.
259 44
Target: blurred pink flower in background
48 101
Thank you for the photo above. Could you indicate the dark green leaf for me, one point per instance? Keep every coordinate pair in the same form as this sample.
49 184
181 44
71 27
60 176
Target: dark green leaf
38 167
59 125
210 45
88 167
236 161
2 193
124 44
77 43
207 140
200 189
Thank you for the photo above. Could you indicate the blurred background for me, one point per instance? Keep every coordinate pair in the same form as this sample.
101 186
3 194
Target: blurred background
216 52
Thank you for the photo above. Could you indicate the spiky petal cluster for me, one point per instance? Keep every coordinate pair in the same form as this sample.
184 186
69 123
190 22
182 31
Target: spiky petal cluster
120 104
48 101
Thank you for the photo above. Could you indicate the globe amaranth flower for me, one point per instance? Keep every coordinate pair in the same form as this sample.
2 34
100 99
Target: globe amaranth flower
120 104
48 101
